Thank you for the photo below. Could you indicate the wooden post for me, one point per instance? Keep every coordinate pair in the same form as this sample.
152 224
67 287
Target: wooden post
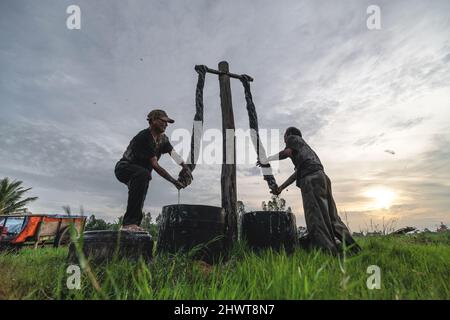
38 233
228 179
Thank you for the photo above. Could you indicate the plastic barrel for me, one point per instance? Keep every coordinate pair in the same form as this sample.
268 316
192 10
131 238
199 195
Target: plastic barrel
269 229
195 229
105 245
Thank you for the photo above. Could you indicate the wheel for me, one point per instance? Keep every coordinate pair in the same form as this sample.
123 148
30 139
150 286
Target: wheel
63 238
104 245
185 227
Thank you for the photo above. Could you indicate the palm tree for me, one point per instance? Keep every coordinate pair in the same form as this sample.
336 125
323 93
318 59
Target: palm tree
11 196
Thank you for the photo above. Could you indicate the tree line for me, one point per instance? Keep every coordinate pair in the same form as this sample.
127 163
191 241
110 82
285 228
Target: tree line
93 223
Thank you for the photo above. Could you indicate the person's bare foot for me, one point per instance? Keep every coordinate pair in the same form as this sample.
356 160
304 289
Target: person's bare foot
132 228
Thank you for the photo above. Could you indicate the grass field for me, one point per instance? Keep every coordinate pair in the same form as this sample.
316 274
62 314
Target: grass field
412 267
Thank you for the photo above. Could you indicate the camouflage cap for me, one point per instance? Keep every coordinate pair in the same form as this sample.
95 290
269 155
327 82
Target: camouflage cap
159 114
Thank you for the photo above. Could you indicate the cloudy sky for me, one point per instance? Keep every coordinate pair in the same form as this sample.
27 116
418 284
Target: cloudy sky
374 104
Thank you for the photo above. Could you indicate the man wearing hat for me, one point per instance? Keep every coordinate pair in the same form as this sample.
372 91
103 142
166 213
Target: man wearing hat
140 158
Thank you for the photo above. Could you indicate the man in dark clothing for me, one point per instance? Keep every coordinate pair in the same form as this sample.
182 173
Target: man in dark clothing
140 158
322 220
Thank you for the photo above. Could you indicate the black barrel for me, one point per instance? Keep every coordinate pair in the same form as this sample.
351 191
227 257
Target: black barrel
269 229
105 245
197 229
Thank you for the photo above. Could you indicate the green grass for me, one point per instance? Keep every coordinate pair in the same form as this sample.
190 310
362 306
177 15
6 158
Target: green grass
412 267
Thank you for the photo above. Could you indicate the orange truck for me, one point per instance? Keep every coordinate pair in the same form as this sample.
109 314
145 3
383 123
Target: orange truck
38 230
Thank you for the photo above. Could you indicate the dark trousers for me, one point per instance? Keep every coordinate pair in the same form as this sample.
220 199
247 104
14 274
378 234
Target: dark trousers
137 179
322 220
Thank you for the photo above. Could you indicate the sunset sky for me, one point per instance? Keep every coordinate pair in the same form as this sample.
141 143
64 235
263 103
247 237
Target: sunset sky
373 104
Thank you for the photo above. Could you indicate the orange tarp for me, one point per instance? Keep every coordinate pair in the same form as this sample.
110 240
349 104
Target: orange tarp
29 230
